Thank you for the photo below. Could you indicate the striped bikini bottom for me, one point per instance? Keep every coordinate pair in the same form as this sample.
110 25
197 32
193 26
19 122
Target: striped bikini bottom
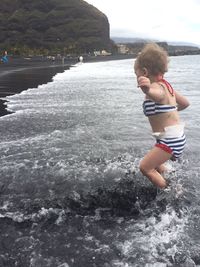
174 146
172 140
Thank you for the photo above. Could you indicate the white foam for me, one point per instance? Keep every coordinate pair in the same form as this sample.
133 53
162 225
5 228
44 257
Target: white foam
156 238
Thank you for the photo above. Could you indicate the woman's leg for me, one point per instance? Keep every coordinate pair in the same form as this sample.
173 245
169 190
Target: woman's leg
152 164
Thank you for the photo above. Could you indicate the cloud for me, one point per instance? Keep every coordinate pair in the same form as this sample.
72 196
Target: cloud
170 20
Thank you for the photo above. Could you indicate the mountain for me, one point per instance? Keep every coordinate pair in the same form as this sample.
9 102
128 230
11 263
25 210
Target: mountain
126 40
129 40
134 45
52 25
183 44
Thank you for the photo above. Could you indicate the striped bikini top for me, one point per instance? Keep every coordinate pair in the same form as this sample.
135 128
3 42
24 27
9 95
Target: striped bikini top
152 108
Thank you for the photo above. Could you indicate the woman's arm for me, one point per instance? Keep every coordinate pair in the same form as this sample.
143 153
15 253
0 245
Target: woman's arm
181 101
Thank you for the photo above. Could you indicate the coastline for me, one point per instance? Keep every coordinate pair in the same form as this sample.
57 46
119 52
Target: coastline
20 74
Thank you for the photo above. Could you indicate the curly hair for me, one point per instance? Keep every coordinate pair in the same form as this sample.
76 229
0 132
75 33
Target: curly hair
154 58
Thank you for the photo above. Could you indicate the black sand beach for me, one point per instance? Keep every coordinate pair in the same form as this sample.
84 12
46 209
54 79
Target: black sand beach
20 74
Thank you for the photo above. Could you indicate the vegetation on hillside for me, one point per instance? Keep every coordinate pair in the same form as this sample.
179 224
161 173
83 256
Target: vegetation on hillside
52 26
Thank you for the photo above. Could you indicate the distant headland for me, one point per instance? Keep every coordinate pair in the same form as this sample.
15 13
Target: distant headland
134 45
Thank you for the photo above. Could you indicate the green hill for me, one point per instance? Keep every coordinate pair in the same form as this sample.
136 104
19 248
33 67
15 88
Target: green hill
65 26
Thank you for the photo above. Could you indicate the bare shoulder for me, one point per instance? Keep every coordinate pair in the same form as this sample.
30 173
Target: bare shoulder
158 86
161 87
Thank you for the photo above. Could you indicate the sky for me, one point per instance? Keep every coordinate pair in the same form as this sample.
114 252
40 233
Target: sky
171 20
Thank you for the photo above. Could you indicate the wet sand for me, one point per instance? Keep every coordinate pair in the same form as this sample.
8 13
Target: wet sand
20 74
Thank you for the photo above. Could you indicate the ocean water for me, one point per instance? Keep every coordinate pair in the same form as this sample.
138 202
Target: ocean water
71 194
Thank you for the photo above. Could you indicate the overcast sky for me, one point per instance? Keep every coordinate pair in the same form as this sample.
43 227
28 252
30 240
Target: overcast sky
171 20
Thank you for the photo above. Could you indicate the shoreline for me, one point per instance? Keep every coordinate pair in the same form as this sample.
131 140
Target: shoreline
21 74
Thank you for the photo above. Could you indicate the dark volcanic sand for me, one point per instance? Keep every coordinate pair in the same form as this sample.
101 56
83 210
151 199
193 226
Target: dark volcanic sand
21 74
